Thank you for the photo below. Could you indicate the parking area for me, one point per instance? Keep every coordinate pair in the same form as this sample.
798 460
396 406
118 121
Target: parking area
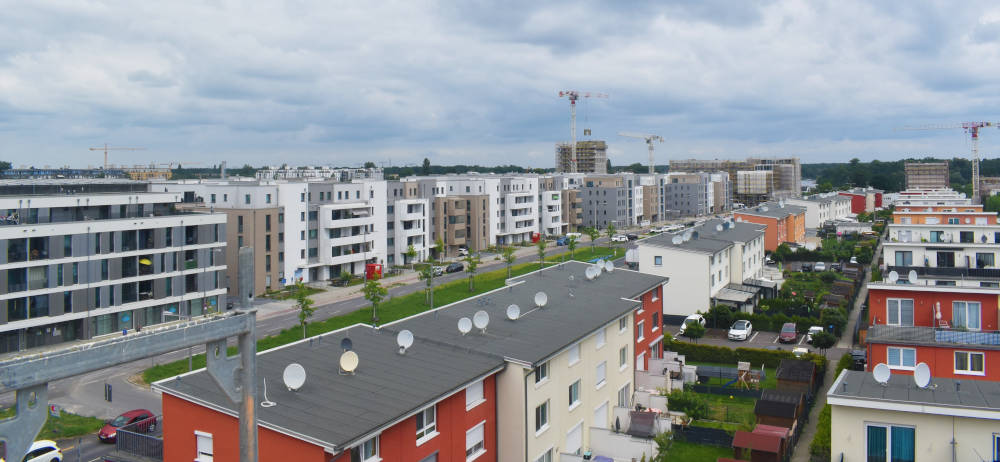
758 339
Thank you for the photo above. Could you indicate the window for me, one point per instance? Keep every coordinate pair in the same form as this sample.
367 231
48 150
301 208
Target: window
302 197
899 312
946 259
656 321
426 424
640 330
657 261
302 216
574 395
600 338
968 362
204 445
623 396
890 443
904 258
574 354
475 441
601 416
545 457
966 315
966 237
656 294
267 198
246 199
984 260
239 224
541 372
213 198
369 450
542 417
602 374
474 395
622 324
901 358
574 439
996 446
623 357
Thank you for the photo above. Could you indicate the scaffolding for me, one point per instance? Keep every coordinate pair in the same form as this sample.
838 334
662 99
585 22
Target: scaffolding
592 157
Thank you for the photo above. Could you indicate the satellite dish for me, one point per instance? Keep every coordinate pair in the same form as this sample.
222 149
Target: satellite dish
609 266
740 219
912 277
600 264
591 273
881 373
763 209
346 344
464 325
404 339
481 319
513 312
541 299
597 269
718 227
349 362
922 375
893 276
687 236
677 240
781 203
294 376
968 220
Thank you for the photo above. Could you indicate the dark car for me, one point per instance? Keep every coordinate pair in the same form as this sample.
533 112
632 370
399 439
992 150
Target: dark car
858 360
836 267
144 420
632 237
454 268
788 333
807 267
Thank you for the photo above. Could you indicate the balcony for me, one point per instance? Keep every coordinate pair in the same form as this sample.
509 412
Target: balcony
921 335
928 271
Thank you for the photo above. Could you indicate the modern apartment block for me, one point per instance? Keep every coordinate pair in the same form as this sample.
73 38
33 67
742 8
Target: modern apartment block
322 173
696 194
821 208
86 258
946 248
755 179
604 201
591 155
784 222
927 175
570 207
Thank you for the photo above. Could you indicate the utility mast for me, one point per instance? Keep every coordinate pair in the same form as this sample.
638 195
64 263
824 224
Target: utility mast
649 142
972 128
107 148
574 95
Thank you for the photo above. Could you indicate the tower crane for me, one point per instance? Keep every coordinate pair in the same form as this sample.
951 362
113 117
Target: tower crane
107 148
649 142
972 128
574 95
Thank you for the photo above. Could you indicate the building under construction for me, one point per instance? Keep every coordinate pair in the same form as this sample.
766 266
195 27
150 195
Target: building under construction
755 179
927 175
592 157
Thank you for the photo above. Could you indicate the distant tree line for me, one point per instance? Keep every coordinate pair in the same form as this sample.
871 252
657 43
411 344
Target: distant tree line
890 176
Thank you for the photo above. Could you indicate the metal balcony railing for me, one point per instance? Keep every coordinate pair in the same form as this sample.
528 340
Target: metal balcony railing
931 335
973 273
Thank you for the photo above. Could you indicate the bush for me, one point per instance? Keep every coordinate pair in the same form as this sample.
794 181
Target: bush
725 355
688 402
820 445
694 331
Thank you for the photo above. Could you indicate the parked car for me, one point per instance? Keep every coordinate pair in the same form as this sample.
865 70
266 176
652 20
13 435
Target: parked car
562 240
691 319
463 251
631 237
740 330
799 351
807 267
438 270
145 419
42 451
812 330
788 333
836 267
619 238
854 260
454 268
820 266
576 235
858 360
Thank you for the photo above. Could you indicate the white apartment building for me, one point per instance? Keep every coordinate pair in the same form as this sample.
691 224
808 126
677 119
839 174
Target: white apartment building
550 213
321 173
821 208
716 262
518 209
107 258
955 248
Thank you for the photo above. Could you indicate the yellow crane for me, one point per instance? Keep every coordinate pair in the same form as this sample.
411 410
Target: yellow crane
107 148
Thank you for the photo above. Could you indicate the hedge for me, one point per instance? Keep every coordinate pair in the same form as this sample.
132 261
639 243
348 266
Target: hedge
820 445
773 322
726 355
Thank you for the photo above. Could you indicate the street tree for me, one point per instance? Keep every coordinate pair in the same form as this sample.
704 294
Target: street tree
594 234
541 253
507 255
374 293
304 304
694 331
471 265
411 254
571 243
824 341
427 275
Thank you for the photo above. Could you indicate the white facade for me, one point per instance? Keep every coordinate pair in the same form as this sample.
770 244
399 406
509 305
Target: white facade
518 211
691 276
550 213
823 208
409 218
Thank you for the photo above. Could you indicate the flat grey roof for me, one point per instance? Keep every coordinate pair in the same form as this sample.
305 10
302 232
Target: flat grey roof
983 394
538 333
773 210
710 240
335 410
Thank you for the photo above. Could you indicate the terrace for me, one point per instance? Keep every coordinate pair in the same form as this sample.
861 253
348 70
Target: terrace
919 335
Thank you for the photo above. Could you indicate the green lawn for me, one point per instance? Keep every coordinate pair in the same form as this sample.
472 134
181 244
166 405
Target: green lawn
66 426
682 451
737 410
583 253
727 426
770 380
390 310
289 293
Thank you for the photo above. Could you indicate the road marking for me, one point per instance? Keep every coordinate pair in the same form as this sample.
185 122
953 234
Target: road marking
802 339
776 338
68 448
755 334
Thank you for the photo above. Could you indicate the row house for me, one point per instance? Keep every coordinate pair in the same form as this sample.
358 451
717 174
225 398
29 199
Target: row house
783 223
717 262
822 208
530 384
108 257
863 200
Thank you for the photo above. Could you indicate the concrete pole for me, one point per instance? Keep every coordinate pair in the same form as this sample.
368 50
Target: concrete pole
245 276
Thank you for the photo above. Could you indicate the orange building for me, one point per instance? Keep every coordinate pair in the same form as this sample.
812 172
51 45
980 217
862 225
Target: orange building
950 216
784 223
433 402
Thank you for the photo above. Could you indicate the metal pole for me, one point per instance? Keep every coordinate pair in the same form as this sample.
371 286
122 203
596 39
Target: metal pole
248 383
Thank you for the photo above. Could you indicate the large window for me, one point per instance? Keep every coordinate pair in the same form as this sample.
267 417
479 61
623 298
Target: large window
623 357
899 312
426 424
574 394
966 315
542 416
890 443
474 395
946 259
970 362
623 396
622 324
904 258
640 330
600 338
475 441
984 260
905 358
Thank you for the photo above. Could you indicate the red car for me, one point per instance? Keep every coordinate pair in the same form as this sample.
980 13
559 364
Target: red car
144 419
788 333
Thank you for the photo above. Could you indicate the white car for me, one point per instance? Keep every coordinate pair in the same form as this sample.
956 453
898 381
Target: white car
619 238
800 351
812 330
740 330
691 319
42 451
854 260
820 266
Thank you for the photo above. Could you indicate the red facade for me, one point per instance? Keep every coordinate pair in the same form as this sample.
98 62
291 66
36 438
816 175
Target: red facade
925 304
649 328
858 202
397 443
941 360
878 200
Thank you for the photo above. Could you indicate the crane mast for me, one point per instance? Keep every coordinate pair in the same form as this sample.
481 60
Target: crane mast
107 148
573 96
972 128
649 143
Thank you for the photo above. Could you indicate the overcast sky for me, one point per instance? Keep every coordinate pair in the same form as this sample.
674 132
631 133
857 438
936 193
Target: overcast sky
477 82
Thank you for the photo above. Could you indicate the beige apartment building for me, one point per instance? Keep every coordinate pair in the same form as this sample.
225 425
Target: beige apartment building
927 175
461 221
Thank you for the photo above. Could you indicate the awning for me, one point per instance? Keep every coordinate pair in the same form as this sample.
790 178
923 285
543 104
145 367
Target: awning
732 295
642 424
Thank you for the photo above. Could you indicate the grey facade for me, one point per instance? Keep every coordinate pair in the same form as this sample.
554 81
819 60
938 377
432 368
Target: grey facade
604 201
